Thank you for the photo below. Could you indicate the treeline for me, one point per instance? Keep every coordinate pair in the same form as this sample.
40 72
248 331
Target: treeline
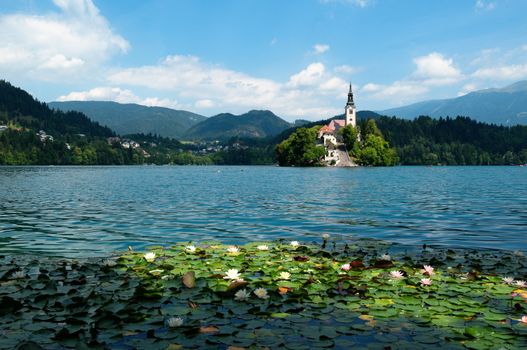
454 141
19 107
24 147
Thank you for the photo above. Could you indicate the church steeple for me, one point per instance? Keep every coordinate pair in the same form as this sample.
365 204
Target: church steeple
350 98
350 113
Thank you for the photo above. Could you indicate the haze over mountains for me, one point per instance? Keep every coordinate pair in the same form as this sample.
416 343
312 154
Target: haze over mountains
506 106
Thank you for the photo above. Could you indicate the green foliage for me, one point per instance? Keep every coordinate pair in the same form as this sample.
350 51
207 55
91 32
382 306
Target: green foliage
300 148
459 141
349 137
128 301
373 150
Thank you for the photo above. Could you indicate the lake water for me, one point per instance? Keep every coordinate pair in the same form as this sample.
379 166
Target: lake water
94 211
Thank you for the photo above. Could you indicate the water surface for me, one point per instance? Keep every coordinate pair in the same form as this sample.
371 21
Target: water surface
93 211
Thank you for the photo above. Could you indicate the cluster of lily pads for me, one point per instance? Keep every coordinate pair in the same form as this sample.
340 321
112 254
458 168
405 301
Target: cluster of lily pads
362 293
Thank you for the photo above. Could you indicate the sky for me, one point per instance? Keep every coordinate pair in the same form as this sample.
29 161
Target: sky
295 57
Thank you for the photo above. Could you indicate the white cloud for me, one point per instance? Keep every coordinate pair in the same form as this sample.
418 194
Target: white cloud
320 48
205 103
312 75
346 69
75 38
431 70
116 94
509 72
435 69
359 3
485 5
467 88
310 93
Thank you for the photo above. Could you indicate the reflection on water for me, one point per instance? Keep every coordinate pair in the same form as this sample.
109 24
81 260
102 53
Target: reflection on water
92 211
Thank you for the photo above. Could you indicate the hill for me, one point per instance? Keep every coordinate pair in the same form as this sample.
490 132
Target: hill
253 124
505 106
19 107
133 118
34 134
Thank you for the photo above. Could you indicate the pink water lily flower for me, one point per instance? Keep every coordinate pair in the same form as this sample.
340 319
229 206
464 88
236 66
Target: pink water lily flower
396 275
426 281
523 319
429 270
346 267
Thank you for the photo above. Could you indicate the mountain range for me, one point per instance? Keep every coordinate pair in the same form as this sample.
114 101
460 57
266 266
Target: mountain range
253 124
506 106
133 118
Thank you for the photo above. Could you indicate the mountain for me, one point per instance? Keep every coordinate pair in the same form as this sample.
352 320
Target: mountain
253 124
133 118
19 107
506 106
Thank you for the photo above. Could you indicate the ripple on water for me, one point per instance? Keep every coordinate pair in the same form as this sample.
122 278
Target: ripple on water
92 211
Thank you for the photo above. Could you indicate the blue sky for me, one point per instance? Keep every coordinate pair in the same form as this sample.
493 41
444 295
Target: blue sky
293 57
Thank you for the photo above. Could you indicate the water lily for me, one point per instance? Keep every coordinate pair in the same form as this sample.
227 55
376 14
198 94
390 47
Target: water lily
521 283
325 236
232 274
150 257
109 262
426 281
261 293
284 275
346 267
386 257
429 270
295 244
508 280
262 247
396 275
174 322
190 249
18 275
233 249
241 295
523 319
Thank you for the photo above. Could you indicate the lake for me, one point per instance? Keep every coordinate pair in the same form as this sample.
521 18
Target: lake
94 211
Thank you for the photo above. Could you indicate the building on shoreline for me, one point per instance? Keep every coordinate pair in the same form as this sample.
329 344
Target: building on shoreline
328 135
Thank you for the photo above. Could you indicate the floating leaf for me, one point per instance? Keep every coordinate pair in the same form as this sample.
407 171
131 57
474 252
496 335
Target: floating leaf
189 279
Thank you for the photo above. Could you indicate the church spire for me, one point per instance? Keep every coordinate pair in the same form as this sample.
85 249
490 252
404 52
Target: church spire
350 98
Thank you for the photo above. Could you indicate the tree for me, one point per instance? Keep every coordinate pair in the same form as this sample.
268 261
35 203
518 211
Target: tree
300 148
349 137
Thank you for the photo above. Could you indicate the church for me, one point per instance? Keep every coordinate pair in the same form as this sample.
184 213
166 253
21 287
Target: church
328 134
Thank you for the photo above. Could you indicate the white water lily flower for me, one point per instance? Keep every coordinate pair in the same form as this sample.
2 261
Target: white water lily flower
18 275
190 248
262 247
426 281
150 257
295 244
174 322
521 283
261 293
345 267
284 275
325 235
241 295
233 249
109 262
386 257
232 274
508 280
396 275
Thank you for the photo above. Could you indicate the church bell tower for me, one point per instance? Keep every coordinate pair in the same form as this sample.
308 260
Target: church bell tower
350 112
